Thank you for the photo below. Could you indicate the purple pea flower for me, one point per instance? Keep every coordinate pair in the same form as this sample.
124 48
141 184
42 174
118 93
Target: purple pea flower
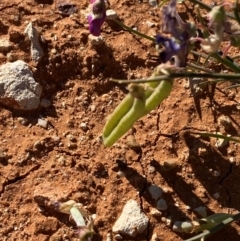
97 17
181 32
173 48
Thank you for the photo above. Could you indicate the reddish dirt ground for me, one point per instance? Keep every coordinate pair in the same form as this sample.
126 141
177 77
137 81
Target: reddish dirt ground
66 161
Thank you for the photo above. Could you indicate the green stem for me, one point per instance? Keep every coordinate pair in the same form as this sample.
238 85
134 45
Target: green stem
231 65
134 31
217 228
197 67
226 62
229 138
230 77
208 8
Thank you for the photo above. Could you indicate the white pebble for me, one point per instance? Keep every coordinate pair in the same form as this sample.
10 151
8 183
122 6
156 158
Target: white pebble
83 126
111 14
151 169
154 237
118 236
95 40
155 212
43 123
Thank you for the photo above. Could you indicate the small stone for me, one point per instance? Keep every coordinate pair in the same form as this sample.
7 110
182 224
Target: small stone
202 151
5 45
151 169
225 122
154 237
65 237
132 143
120 174
83 126
202 211
150 24
132 220
111 14
232 160
155 192
216 173
55 38
109 237
216 195
45 103
23 121
118 236
53 51
72 145
197 88
168 221
153 3
93 108
162 205
221 142
19 90
36 49
56 139
181 227
43 123
155 212
38 145
66 8
169 165
12 57
95 40
61 160
72 138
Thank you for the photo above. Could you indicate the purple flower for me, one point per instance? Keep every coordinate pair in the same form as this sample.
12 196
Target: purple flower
173 48
97 17
170 19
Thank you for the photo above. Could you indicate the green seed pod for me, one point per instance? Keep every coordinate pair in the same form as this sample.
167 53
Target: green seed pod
120 111
139 102
136 112
161 92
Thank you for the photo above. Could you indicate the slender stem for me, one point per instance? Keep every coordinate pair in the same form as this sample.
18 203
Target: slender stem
232 86
226 62
231 77
216 136
134 31
207 7
217 228
197 67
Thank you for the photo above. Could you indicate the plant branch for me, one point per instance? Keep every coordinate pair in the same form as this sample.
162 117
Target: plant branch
232 77
134 31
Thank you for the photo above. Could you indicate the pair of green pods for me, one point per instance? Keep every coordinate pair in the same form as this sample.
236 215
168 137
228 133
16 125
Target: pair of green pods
140 101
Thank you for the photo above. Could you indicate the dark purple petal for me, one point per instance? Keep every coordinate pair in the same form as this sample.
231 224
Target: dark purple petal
97 17
170 23
173 48
95 24
98 7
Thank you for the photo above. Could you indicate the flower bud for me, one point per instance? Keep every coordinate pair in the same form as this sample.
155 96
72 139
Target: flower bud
97 17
